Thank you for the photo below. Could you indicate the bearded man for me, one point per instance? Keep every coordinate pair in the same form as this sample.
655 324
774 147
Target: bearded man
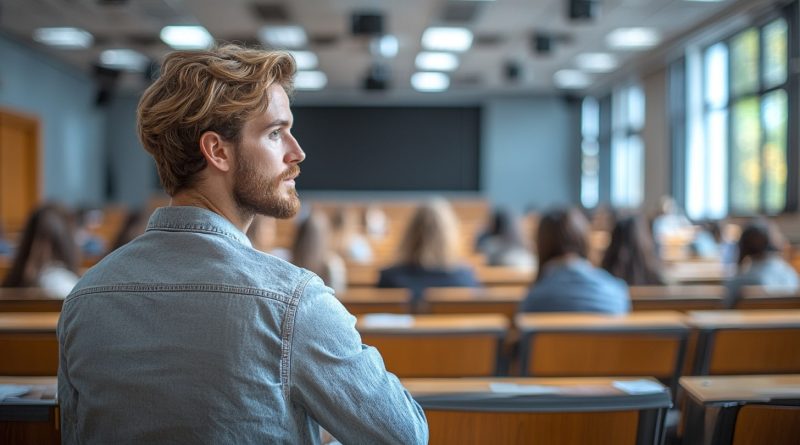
189 335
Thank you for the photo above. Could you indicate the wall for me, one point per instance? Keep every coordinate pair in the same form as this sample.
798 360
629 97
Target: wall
657 161
531 152
529 155
72 128
132 175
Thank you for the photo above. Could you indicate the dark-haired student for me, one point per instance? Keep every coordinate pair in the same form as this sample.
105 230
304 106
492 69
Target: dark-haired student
567 281
760 262
631 253
48 255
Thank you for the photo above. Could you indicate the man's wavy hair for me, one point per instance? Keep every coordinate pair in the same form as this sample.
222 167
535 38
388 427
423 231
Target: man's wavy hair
198 91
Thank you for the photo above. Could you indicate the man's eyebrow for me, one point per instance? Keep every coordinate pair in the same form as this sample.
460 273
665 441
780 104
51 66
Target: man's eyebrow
277 123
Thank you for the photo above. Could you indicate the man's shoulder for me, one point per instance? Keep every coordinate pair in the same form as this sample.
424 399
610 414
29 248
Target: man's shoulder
205 263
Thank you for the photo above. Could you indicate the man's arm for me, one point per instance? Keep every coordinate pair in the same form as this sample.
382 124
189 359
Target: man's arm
342 383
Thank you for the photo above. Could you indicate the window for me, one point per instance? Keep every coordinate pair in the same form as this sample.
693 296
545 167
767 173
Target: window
590 153
736 156
627 148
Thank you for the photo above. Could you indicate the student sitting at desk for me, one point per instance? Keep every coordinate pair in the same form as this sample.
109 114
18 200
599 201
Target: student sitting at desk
631 253
429 255
47 256
760 262
567 281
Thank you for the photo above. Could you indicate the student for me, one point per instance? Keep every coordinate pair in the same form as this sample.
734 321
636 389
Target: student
134 225
189 335
631 253
312 251
47 256
760 262
503 244
429 253
262 233
567 281
346 239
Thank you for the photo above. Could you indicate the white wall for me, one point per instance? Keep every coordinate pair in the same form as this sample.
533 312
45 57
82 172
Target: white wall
531 152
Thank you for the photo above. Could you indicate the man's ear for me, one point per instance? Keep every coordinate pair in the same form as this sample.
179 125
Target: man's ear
217 151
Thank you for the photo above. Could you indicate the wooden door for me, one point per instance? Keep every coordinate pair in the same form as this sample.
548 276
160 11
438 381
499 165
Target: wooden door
19 168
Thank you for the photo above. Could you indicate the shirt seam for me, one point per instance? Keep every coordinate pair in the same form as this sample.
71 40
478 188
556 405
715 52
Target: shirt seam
196 229
288 335
194 287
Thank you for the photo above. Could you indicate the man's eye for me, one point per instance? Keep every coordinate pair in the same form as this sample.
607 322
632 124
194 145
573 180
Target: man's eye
275 134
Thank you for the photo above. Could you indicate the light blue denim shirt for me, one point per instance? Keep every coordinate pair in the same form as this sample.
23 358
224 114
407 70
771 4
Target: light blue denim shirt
189 335
575 285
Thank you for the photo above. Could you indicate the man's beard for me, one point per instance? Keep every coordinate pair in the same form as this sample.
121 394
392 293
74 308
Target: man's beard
255 193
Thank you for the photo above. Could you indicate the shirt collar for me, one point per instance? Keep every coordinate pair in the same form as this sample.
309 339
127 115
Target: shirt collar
195 219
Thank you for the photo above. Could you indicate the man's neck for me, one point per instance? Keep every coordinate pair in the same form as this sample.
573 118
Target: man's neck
225 208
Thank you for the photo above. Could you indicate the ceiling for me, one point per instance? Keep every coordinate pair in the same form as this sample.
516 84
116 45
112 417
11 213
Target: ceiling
503 32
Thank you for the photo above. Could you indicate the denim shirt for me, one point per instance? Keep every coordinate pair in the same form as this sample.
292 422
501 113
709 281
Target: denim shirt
189 335
575 285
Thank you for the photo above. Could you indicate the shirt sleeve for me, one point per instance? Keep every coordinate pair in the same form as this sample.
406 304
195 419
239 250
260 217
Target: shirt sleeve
342 383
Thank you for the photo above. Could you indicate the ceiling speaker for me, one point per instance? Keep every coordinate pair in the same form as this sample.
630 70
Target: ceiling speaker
583 9
367 24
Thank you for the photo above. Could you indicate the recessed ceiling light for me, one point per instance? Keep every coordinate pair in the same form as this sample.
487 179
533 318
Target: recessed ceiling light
447 39
310 80
596 62
571 79
633 38
430 82
385 46
124 59
186 37
283 36
305 60
436 61
64 38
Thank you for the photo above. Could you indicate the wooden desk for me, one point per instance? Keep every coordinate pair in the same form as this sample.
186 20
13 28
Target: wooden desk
742 410
28 300
34 420
466 300
746 342
565 411
363 276
505 276
698 272
761 297
369 300
677 298
28 343
437 345
572 344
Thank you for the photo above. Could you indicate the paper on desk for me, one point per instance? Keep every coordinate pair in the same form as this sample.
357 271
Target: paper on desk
635 387
513 388
8 391
387 320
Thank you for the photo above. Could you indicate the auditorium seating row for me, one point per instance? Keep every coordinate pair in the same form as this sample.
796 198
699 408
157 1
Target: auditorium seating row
664 344
738 410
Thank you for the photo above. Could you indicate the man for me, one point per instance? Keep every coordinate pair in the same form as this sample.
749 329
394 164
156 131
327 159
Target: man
188 334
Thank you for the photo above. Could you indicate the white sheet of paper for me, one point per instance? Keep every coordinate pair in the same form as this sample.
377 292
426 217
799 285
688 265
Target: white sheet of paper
8 391
513 388
638 386
387 320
